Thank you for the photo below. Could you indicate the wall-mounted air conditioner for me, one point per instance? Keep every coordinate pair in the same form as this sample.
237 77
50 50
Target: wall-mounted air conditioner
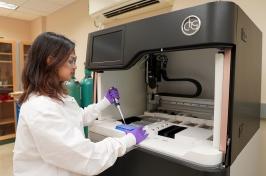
104 11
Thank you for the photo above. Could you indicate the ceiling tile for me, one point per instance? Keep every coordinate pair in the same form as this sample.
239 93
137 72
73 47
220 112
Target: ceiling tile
23 16
62 2
31 9
40 5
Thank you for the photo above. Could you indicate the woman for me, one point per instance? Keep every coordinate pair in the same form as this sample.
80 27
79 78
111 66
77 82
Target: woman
50 139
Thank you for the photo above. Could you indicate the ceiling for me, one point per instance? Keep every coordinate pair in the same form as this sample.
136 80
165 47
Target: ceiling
31 9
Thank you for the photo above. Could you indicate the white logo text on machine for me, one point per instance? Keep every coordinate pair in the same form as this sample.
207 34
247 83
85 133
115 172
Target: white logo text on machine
191 25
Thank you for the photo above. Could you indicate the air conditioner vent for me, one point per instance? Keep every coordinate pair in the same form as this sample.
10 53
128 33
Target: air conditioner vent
108 11
129 7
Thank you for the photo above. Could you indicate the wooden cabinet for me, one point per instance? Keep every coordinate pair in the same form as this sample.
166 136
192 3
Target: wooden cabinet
7 85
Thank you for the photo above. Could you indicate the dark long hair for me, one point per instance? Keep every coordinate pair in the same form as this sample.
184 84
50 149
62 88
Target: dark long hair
40 77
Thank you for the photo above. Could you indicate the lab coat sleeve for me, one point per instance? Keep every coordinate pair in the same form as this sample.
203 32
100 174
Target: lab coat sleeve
64 146
91 112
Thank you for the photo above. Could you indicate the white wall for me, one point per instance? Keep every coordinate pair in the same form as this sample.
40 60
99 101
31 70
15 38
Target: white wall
37 26
74 22
9 29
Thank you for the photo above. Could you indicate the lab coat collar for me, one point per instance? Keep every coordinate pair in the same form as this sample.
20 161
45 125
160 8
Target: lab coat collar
62 97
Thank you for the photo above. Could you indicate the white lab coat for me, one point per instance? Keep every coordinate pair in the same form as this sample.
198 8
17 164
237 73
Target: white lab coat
50 139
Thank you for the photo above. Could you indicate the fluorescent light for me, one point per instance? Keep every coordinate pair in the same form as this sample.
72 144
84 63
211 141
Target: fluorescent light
8 6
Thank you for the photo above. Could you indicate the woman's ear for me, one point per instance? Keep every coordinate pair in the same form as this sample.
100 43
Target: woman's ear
49 60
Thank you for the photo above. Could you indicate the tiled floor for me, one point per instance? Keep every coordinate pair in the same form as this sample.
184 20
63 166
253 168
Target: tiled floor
6 156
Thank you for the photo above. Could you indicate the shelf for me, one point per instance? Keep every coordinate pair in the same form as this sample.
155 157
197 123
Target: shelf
8 136
16 95
6 101
7 54
4 121
6 85
6 62
6 89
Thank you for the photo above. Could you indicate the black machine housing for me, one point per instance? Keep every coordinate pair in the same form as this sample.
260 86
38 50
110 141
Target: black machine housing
223 25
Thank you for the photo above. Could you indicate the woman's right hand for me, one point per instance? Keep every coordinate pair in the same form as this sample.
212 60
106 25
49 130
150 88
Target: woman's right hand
112 94
139 134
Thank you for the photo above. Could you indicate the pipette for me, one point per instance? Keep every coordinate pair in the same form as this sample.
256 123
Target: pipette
117 104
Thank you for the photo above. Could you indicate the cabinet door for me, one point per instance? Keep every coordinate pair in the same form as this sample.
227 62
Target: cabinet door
23 50
7 84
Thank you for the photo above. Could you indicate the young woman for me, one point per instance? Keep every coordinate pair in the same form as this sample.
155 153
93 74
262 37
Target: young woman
50 139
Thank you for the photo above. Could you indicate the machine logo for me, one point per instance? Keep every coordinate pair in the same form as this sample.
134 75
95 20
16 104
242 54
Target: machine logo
190 25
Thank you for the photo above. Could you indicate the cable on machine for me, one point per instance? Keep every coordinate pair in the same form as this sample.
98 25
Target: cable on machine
164 75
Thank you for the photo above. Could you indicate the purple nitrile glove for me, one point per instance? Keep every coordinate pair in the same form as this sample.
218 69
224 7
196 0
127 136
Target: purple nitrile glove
112 94
139 134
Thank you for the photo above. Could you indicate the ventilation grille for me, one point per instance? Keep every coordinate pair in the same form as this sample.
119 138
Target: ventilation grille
130 7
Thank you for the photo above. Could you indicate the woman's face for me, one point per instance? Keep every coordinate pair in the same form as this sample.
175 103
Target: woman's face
68 69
